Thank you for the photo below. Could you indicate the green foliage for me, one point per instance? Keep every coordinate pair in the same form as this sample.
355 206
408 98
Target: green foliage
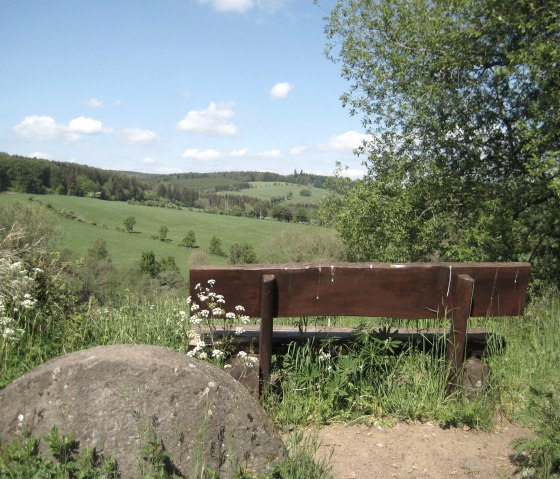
215 246
305 192
298 246
149 264
162 233
462 102
189 240
541 453
99 250
23 459
129 223
242 253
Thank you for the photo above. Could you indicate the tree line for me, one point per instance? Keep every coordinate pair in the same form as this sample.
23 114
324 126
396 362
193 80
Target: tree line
37 176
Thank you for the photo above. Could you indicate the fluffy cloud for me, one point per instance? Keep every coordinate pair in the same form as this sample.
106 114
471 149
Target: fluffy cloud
240 6
346 142
85 125
214 121
148 161
135 136
38 127
270 154
239 153
93 103
204 155
281 90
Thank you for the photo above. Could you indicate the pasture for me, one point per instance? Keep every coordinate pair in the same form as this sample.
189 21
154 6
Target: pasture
95 218
265 190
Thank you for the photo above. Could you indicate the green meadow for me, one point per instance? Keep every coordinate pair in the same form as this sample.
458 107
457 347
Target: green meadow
266 190
95 218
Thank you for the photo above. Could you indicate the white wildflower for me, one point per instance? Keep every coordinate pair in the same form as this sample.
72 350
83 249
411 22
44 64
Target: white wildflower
239 331
216 354
239 308
242 354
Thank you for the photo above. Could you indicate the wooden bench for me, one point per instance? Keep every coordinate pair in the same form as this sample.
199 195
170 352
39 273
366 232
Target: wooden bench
408 291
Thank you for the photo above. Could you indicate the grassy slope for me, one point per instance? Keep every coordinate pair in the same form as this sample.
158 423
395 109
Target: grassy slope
126 248
267 190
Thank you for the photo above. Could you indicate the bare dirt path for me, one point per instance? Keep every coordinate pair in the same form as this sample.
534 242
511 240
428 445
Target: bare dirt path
419 451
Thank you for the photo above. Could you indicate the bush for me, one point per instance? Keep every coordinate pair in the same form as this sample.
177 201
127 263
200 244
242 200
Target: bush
216 246
242 253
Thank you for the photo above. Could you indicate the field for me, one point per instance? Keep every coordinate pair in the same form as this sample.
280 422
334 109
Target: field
265 190
104 219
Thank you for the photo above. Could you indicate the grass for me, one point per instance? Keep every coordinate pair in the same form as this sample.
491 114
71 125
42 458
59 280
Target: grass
265 190
105 219
324 382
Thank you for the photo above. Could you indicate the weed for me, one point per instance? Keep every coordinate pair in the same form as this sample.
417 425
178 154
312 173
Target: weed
541 454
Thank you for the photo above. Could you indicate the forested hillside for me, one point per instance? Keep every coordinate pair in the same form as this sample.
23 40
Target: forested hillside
206 191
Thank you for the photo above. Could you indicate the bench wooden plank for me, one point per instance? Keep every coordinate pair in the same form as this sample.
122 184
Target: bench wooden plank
412 290
408 291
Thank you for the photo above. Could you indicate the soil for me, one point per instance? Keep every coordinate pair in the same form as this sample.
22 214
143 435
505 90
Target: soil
419 451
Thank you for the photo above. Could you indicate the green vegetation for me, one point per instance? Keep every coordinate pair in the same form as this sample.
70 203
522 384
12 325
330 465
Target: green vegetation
83 220
211 192
369 380
462 100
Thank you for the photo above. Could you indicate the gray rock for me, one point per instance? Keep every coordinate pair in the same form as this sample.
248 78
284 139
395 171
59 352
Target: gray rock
116 398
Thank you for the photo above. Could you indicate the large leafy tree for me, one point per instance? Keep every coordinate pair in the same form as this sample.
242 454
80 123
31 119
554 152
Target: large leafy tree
462 101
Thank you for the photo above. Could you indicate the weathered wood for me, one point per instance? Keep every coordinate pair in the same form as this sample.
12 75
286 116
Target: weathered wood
268 307
460 312
412 290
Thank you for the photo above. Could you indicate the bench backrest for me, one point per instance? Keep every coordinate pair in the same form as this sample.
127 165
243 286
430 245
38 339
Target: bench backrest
411 290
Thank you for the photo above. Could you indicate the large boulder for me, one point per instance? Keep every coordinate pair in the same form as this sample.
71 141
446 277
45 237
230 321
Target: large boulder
117 398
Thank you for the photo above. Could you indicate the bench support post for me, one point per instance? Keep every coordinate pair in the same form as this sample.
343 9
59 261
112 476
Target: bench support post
462 301
268 303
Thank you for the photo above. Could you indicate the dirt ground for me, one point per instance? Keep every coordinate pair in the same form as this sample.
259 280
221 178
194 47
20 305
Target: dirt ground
419 451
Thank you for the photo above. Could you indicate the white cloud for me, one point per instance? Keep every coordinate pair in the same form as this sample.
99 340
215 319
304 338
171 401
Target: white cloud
297 150
239 153
215 120
204 155
40 155
138 136
240 6
38 127
347 141
44 127
83 124
281 90
149 161
270 154
93 103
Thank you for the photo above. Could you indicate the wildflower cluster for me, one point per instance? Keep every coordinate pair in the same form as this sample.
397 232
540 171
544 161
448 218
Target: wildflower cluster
16 287
207 313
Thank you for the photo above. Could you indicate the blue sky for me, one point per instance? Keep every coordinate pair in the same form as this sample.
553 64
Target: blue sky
174 85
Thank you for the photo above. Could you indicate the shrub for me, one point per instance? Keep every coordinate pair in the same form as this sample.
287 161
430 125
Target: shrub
242 253
216 246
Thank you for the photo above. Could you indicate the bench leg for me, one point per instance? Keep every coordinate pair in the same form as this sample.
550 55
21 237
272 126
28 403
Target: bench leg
462 301
268 299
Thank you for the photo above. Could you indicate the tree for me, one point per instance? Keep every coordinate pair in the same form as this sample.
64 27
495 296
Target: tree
149 264
189 240
216 246
162 234
242 253
462 104
99 250
129 223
